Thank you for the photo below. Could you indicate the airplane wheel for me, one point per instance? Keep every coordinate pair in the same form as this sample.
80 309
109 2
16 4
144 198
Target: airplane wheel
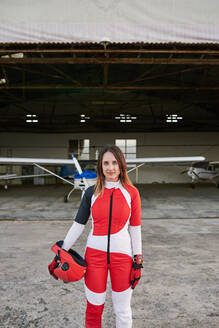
66 199
192 186
217 185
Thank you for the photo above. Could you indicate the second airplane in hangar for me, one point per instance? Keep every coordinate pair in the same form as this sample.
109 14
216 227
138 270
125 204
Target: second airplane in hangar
203 171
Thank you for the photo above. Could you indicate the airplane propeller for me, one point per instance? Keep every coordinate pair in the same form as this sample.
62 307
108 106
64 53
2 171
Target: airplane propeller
193 172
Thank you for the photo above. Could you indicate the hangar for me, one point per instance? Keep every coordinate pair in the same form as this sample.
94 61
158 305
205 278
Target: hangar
67 86
75 75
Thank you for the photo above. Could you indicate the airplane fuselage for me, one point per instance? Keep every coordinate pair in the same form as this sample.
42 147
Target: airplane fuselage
201 174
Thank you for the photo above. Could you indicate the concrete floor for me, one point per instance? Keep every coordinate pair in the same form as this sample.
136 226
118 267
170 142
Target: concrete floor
158 201
180 283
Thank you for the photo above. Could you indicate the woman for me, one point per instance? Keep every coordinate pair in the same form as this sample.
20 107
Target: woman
114 205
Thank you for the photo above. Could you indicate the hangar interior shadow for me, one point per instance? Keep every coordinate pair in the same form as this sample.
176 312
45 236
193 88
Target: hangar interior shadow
92 87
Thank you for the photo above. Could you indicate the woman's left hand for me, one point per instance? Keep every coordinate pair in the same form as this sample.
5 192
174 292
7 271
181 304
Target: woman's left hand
136 270
53 265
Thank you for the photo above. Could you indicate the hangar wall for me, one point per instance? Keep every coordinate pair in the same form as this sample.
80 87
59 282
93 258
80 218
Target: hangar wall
148 145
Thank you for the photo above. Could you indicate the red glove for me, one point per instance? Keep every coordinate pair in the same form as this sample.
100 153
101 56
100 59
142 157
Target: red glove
136 270
51 267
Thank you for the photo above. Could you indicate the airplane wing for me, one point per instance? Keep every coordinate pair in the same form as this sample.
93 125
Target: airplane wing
37 162
162 160
44 161
32 161
59 162
155 160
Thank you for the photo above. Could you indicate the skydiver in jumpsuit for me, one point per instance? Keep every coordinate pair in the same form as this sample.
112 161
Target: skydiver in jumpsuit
113 205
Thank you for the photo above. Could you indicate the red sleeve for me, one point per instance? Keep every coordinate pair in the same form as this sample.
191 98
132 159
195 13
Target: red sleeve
135 219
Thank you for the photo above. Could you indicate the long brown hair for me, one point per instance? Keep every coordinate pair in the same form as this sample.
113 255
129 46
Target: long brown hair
118 154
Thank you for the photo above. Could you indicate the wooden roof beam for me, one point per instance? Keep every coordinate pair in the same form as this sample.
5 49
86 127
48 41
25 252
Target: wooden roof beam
104 60
146 51
130 87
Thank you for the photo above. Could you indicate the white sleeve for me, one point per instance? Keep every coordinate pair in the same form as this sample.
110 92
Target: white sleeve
74 232
135 233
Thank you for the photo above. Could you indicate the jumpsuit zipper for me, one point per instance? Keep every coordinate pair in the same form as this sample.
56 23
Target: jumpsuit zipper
109 228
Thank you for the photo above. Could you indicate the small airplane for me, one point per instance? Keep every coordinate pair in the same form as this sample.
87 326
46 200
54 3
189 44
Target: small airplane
203 171
83 179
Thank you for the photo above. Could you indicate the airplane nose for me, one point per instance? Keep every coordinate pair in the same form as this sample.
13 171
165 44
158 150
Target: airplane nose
189 172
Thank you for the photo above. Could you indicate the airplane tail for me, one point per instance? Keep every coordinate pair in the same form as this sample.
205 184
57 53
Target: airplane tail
78 167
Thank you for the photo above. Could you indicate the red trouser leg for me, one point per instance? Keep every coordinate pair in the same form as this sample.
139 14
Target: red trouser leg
120 270
95 286
93 315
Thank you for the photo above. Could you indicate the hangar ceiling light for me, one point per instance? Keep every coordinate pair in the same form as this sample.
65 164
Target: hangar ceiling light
173 118
125 118
31 118
2 81
84 118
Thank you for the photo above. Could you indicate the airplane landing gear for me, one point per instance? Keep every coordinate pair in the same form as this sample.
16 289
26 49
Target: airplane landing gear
67 196
6 184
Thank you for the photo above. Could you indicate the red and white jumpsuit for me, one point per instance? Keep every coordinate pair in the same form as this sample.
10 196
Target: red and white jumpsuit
110 248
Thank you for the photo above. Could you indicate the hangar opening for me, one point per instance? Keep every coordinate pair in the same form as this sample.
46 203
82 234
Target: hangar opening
137 74
58 99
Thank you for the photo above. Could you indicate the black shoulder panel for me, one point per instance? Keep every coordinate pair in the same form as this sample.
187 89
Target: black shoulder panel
85 206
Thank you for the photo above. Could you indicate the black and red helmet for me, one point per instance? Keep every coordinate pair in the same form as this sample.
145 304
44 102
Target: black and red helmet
72 266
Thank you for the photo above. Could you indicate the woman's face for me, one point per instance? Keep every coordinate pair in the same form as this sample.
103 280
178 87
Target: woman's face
110 167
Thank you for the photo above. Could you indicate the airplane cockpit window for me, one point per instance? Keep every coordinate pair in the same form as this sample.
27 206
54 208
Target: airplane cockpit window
202 165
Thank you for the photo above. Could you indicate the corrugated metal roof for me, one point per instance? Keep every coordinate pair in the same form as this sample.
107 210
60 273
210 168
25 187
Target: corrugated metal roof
124 44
